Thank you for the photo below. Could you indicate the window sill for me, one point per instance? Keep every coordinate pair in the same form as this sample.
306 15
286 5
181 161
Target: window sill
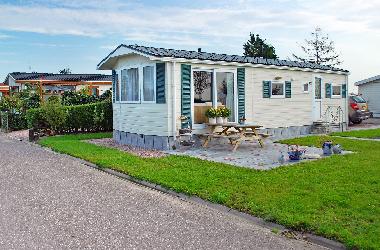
336 96
277 97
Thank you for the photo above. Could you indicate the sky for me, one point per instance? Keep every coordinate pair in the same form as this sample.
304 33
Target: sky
46 36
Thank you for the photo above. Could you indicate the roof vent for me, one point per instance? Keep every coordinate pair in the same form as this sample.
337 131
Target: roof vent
199 50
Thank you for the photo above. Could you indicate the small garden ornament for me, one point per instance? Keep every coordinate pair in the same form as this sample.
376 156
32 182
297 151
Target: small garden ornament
327 147
337 149
295 152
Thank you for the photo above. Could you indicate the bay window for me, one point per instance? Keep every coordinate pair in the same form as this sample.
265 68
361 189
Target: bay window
148 84
138 84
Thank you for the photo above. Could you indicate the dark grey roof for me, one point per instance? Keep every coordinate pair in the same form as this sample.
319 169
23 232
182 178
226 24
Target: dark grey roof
162 52
368 80
59 77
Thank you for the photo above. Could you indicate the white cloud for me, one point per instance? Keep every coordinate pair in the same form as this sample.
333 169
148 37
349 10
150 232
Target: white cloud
219 25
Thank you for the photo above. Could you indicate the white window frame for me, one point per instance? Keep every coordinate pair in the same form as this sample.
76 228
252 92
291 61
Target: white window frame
142 83
214 91
332 91
140 69
277 96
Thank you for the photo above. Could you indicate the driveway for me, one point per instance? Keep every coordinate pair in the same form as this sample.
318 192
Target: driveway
366 124
52 201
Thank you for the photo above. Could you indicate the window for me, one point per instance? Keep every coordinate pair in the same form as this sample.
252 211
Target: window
138 85
306 88
318 88
149 94
358 99
203 88
277 90
336 91
130 91
225 92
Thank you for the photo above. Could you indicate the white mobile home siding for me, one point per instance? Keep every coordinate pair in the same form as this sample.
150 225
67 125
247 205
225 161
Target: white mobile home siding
270 112
371 93
141 118
285 112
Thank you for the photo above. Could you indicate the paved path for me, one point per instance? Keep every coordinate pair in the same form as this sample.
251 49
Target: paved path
53 201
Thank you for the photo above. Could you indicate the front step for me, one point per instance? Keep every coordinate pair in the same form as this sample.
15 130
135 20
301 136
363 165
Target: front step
320 127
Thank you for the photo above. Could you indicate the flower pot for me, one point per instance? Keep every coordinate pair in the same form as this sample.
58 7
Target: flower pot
327 148
225 120
219 120
212 120
295 155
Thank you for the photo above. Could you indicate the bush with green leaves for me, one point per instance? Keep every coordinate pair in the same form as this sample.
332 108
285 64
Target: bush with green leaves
78 98
72 119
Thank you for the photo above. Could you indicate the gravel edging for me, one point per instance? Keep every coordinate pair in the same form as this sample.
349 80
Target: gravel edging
274 227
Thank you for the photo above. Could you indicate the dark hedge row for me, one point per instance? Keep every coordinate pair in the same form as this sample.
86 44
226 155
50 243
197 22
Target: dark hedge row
80 118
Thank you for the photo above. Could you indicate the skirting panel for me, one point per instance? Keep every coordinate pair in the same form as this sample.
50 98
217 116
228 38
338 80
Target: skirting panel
143 141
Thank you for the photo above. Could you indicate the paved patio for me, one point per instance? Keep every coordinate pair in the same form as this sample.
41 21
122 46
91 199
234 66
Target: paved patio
249 155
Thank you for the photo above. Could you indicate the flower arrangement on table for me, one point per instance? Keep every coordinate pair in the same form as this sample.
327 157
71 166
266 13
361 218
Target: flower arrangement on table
224 112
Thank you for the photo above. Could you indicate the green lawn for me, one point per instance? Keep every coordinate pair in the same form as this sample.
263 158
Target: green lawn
368 133
337 197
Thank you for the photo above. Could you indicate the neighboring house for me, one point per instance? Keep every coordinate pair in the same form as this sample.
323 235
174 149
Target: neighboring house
4 90
370 90
54 84
154 87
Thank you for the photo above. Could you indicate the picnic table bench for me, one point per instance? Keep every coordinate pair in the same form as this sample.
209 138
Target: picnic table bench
236 133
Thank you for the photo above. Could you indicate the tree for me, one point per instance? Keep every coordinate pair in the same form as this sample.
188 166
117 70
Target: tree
319 49
257 47
65 71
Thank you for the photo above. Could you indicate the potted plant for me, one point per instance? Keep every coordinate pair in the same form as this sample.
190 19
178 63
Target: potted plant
295 152
212 113
219 118
224 113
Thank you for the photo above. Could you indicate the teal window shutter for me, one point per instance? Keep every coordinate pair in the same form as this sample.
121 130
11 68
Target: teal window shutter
344 90
160 83
288 89
328 90
185 93
266 89
113 85
241 91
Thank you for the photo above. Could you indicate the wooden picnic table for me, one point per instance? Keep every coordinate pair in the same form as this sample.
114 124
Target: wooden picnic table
242 132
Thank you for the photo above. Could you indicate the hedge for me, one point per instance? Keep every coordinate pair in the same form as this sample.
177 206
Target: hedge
80 118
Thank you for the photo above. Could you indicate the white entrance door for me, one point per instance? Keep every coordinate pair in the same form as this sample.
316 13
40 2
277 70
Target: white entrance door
317 99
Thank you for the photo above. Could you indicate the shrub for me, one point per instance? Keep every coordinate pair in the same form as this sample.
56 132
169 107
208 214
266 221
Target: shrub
68 119
55 115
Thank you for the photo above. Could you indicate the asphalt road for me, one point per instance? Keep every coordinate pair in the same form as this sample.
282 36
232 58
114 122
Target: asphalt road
50 201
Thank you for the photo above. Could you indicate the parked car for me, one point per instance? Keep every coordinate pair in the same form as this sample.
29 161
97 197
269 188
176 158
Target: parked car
358 109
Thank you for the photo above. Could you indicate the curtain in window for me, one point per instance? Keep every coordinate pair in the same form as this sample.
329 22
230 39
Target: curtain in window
148 83
123 85
132 85
230 96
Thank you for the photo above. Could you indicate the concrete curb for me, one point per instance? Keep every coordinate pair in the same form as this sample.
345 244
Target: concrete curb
318 240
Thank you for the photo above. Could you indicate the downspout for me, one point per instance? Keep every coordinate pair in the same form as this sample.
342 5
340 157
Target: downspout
174 98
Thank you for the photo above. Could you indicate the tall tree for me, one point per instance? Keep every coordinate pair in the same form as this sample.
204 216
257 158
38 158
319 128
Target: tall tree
319 49
65 71
257 47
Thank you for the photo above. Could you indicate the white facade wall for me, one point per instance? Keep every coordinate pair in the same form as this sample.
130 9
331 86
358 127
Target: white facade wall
371 93
157 119
141 118
285 112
